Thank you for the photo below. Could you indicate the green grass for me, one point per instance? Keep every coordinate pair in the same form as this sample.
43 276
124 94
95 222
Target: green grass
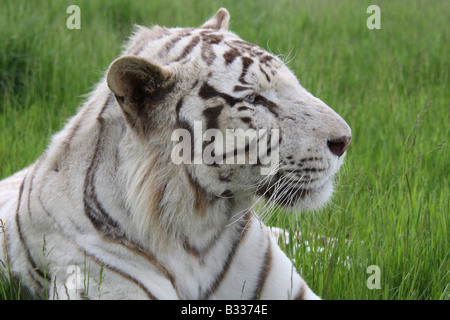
391 208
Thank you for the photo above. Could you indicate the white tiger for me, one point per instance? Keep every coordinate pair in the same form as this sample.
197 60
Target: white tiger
107 200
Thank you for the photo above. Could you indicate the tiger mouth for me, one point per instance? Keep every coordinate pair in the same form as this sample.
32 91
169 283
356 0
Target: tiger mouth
287 192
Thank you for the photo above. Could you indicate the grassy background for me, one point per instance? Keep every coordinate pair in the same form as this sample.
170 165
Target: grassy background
391 85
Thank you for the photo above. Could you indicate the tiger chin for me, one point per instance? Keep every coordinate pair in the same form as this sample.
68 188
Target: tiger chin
118 207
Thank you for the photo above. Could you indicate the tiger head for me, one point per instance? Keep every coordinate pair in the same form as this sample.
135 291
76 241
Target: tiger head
205 83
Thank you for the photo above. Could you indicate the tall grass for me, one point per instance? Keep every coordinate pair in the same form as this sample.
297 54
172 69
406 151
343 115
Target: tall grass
391 208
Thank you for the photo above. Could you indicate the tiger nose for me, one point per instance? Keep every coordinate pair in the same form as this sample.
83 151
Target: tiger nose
338 146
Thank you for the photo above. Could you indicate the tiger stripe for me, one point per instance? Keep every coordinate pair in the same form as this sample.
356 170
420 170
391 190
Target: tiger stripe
264 271
204 251
231 55
208 92
104 223
245 225
188 49
33 173
92 208
246 62
212 116
33 270
301 292
207 52
200 194
149 294
172 42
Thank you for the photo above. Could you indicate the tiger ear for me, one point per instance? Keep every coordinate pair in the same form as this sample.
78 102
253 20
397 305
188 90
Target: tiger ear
219 22
137 84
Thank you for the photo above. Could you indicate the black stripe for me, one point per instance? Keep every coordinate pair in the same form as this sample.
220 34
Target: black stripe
123 274
68 140
201 253
30 259
201 197
266 59
231 55
172 42
246 119
243 108
178 108
100 218
33 174
227 194
208 54
271 106
229 259
247 45
188 49
301 293
208 92
93 209
265 73
264 271
47 212
212 115
241 88
246 63
137 47
226 178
